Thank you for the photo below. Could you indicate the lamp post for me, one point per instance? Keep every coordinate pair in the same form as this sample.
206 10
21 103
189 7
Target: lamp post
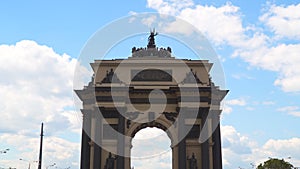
51 165
4 151
29 162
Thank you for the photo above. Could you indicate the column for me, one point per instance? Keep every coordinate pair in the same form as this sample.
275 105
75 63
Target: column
217 153
92 144
85 148
98 141
211 143
121 143
204 145
85 151
182 144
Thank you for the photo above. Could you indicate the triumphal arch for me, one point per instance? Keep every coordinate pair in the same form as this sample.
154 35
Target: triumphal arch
151 89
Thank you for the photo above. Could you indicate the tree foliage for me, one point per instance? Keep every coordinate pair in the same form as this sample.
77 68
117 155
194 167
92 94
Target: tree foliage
274 163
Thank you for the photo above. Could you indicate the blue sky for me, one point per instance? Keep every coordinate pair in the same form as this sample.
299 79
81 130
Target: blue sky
258 44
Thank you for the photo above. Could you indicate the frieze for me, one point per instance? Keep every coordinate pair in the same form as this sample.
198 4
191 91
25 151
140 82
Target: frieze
151 75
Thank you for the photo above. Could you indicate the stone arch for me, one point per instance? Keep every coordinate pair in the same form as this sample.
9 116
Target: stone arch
159 123
179 111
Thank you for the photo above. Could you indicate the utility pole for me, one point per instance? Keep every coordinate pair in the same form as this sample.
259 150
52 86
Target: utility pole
41 147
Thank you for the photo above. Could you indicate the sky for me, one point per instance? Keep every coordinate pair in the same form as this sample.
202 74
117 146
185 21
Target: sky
257 43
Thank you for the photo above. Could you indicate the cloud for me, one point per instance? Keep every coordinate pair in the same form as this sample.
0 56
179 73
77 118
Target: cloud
149 21
295 113
241 150
156 154
224 26
282 148
288 108
169 6
60 151
235 146
272 59
227 104
226 109
238 102
284 21
267 103
242 75
221 25
36 86
291 110
234 141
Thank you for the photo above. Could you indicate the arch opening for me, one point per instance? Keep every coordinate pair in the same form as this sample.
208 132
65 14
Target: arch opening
151 148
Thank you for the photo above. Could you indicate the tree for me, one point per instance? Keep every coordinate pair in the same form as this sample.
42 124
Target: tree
274 163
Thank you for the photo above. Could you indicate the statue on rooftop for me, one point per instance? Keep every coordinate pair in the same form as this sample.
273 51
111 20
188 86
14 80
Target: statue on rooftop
151 40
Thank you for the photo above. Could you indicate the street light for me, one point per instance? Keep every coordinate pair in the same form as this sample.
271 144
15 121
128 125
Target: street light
4 151
29 162
51 165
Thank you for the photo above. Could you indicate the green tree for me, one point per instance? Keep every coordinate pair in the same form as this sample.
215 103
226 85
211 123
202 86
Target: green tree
274 163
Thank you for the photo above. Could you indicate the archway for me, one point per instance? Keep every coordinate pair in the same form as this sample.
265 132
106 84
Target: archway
151 146
126 96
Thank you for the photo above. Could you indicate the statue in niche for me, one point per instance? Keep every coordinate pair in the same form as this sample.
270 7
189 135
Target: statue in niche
151 40
191 77
192 162
110 162
111 77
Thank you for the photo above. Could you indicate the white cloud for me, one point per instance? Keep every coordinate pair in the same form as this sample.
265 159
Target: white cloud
156 154
171 7
282 149
224 26
295 113
149 20
178 27
281 146
235 141
60 151
283 21
291 110
239 149
238 102
272 59
221 25
267 103
36 86
226 109
242 75
226 106
288 108
234 147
